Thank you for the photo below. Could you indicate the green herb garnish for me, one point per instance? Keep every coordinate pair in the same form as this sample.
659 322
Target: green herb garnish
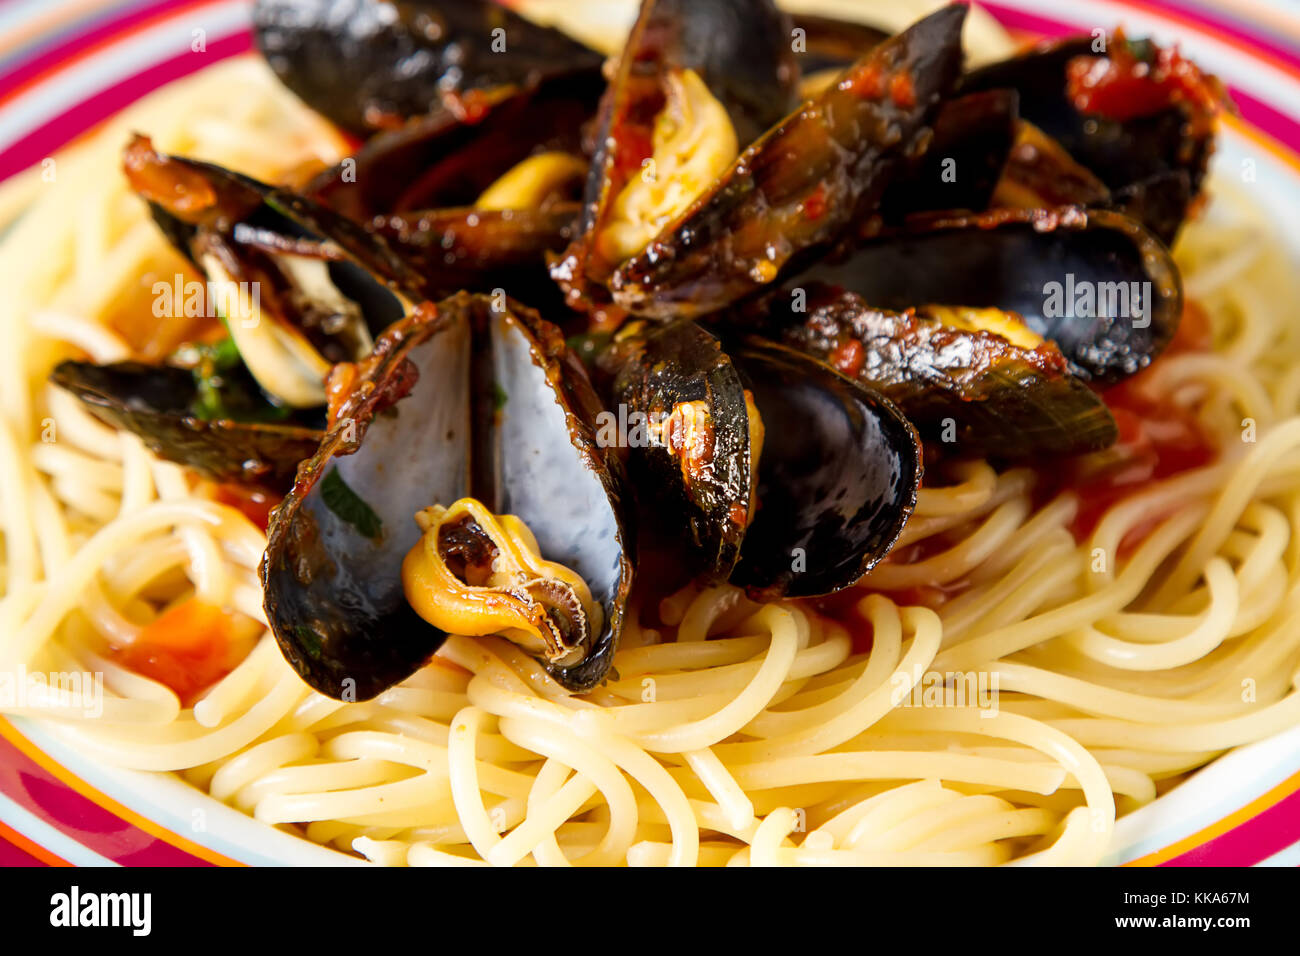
311 642
349 506
225 391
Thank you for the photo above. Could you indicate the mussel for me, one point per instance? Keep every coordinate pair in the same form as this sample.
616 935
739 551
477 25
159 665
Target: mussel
462 400
972 381
216 422
793 192
476 201
1137 116
447 158
1095 282
372 64
964 164
296 288
697 81
782 475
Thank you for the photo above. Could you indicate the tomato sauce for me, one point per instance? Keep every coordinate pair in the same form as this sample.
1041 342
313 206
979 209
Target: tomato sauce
1134 80
1157 440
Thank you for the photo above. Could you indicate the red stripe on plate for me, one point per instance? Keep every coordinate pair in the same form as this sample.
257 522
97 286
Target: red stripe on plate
62 129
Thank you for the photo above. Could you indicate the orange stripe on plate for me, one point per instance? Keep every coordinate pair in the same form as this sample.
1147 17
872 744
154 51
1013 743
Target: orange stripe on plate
65 776
1233 820
34 849
1279 151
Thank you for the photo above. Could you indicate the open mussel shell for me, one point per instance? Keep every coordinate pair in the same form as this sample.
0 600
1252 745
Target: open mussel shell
954 373
1154 165
1095 282
458 400
740 50
796 190
447 158
370 64
157 403
771 469
227 422
298 287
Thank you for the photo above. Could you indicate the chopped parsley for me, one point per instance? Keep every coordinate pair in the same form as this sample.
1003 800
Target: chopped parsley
349 506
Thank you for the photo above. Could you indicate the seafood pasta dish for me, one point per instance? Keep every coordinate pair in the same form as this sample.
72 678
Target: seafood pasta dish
462 433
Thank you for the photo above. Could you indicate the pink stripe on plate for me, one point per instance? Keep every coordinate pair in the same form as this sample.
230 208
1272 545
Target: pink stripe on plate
1258 838
65 127
77 41
1275 123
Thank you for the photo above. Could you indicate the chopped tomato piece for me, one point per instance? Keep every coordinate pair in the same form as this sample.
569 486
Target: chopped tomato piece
255 503
188 647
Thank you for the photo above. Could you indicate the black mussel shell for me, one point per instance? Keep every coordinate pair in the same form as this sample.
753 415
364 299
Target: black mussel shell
973 138
196 203
837 478
1154 165
370 64
1095 282
457 400
449 157
696 469
157 402
837 474
969 391
803 183
480 250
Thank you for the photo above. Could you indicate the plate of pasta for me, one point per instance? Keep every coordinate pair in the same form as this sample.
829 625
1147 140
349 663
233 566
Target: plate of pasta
712 433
